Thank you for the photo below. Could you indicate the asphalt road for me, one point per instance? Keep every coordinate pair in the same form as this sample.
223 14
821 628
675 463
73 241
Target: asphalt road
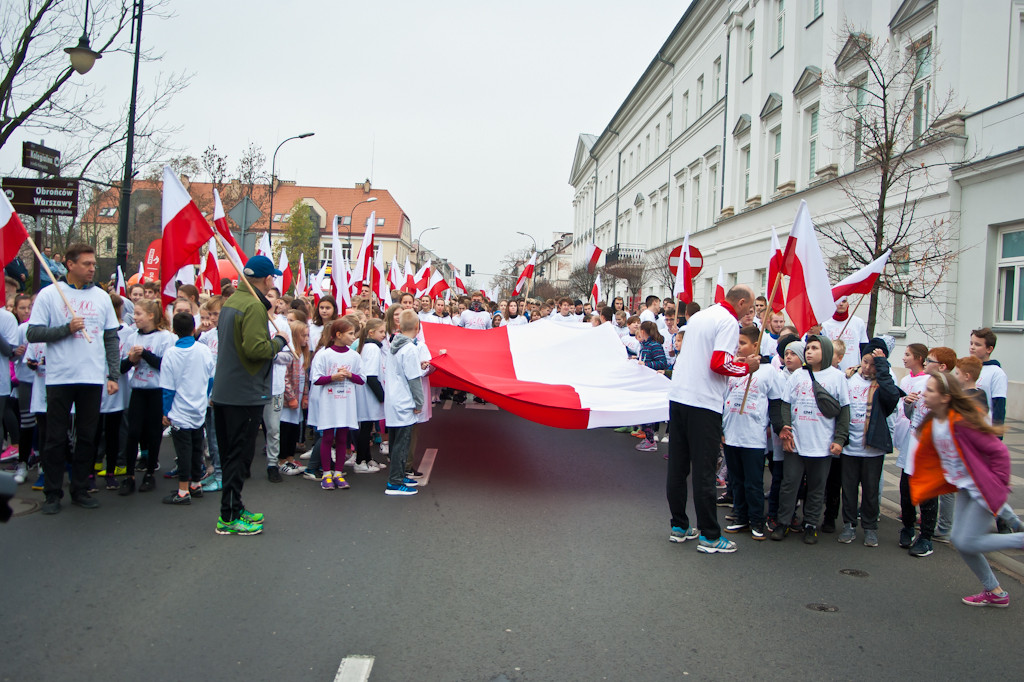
532 554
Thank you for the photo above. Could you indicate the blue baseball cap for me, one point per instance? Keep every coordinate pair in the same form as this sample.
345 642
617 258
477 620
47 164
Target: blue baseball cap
260 266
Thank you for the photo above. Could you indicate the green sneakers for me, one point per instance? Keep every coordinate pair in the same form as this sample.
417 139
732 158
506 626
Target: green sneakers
239 526
252 517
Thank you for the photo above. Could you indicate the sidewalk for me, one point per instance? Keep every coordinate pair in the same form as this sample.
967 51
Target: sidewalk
1012 560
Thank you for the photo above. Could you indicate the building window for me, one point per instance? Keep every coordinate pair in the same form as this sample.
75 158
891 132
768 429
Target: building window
746 172
696 203
657 139
685 109
681 209
812 143
922 87
750 50
901 262
860 95
817 7
780 24
776 157
762 279
668 124
108 212
1010 298
716 80
325 253
380 222
700 95
110 244
713 182
277 217
347 220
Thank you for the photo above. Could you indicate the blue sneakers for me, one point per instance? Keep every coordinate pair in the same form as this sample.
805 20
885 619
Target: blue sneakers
683 534
721 545
410 482
393 489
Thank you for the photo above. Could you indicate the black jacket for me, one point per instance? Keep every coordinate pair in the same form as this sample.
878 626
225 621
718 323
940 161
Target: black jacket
885 401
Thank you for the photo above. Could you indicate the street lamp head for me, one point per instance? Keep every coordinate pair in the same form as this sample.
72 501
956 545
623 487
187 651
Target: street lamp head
305 135
369 200
82 56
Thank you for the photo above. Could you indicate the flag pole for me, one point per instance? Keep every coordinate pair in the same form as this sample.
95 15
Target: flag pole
850 316
764 323
53 279
248 284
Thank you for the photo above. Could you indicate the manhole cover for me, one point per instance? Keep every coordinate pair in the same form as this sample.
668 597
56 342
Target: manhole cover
827 608
22 507
854 572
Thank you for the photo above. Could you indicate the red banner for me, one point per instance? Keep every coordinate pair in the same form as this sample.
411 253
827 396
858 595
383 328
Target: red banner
151 266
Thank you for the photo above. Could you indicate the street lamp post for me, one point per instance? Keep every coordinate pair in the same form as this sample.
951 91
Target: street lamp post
352 219
126 181
530 238
419 242
273 169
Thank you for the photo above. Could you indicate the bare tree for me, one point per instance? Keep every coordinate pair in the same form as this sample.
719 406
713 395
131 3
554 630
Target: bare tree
656 261
215 165
509 267
581 282
892 125
634 274
36 86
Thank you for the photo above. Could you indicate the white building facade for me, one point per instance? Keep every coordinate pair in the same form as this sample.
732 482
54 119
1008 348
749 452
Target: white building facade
730 127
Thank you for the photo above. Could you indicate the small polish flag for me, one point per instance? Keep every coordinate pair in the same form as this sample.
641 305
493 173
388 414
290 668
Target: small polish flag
185 230
283 281
235 253
437 285
395 276
593 255
380 283
12 231
595 291
460 286
809 299
211 273
142 273
720 286
422 279
122 288
774 272
683 288
364 261
862 281
316 283
263 249
410 278
525 275
301 285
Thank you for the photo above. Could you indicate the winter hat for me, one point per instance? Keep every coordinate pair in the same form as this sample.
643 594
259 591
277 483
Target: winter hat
870 346
797 347
784 341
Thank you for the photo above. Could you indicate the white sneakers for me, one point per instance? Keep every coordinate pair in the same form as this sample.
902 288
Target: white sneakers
370 467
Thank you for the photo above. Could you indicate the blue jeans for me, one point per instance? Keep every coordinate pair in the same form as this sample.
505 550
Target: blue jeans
746 474
401 438
974 534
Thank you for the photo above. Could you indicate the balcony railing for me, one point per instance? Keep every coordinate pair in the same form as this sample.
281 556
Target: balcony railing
624 253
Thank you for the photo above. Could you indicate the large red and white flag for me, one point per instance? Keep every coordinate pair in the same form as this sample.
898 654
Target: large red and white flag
284 280
410 278
316 283
422 279
460 286
593 255
525 275
862 281
12 231
438 285
235 253
301 283
720 286
774 273
522 369
185 230
339 283
380 283
122 288
682 290
210 274
364 261
263 248
595 291
395 276
809 299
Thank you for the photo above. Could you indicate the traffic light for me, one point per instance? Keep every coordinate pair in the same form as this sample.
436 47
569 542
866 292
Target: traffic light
469 269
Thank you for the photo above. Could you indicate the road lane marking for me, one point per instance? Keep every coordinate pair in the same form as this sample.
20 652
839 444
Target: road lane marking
427 465
354 669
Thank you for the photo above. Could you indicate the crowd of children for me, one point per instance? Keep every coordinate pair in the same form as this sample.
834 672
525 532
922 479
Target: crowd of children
821 412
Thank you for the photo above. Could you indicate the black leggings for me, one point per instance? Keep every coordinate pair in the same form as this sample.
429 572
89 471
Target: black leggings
145 427
111 424
363 442
289 439
28 421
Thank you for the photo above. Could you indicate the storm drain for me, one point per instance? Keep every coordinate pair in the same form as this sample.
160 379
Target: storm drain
854 572
826 608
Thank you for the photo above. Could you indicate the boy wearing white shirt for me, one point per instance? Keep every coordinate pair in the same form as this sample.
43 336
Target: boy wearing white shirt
851 330
993 379
745 438
810 439
403 400
186 378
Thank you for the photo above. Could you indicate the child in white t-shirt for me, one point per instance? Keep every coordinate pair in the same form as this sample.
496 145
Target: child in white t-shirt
370 395
334 373
209 315
809 437
186 378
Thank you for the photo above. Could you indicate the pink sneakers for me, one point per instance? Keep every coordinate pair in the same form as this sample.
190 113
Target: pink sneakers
987 598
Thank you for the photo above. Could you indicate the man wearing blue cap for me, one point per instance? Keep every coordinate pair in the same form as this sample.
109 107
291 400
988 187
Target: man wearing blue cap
241 388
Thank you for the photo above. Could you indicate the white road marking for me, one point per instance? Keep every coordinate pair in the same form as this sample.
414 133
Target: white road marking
354 669
427 465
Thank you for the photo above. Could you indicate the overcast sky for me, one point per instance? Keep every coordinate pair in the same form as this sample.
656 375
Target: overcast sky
467 112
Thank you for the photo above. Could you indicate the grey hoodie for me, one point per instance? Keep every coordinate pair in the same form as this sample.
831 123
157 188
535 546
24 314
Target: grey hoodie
415 385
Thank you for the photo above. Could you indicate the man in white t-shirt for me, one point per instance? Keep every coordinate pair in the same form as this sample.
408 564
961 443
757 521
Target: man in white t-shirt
476 317
853 331
700 382
78 370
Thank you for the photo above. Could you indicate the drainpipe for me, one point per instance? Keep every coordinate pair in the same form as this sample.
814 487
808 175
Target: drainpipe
725 120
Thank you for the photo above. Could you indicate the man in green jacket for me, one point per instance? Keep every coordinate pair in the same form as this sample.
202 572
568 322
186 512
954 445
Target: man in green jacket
241 388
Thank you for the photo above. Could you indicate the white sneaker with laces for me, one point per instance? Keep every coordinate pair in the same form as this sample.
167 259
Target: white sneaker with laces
384 448
664 439
364 468
306 455
351 461
21 473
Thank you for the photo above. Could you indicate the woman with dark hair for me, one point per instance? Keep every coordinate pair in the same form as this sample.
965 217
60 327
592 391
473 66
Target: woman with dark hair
959 451
325 312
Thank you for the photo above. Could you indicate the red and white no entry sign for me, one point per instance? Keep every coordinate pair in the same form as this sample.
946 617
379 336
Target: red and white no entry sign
696 260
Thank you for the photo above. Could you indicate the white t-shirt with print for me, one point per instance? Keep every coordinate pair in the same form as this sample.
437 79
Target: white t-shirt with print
748 430
811 430
73 360
860 398
368 407
156 342
187 372
953 468
336 401
994 382
855 334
